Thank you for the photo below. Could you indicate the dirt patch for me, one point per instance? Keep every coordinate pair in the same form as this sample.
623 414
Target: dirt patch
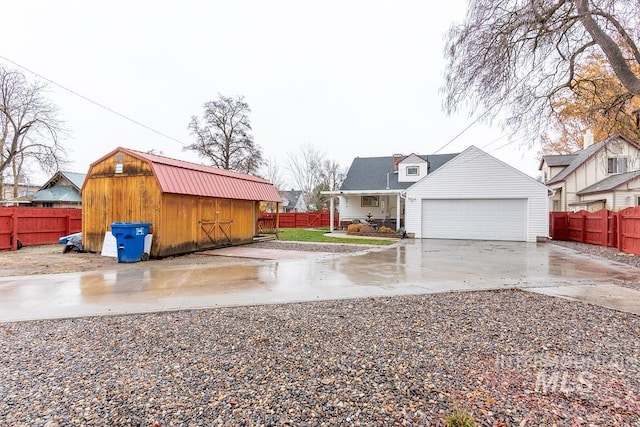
50 259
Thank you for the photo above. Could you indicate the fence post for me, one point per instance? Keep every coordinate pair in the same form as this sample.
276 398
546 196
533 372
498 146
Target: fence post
619 230
14 229
604 215
583 227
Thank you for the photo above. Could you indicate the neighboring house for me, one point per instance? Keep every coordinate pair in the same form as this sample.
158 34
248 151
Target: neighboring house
191 207
61 191
373 187
470 195
25 192
292 201
601 175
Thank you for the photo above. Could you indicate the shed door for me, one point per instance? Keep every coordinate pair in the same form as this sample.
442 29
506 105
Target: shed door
216 223
475 219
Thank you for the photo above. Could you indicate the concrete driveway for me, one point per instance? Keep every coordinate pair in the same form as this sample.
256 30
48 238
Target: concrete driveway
407 267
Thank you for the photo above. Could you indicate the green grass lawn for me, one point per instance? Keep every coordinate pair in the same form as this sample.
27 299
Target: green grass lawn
318 235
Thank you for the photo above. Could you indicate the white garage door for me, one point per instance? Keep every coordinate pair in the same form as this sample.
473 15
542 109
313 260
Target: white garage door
476 219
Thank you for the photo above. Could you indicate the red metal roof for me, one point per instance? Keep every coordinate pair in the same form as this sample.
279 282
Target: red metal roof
180 177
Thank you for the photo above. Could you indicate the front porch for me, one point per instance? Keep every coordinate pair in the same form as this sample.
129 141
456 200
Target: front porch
378 208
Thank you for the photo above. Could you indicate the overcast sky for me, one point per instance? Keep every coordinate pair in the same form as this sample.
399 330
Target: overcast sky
351 78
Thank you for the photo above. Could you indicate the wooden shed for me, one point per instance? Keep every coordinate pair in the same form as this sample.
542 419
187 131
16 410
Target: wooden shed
191 207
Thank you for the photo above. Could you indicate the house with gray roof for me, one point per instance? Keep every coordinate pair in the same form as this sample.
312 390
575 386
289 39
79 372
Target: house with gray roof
372 190
292 201
62 190
467 195
604 174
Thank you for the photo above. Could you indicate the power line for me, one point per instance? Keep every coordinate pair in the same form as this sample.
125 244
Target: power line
104 107
494 141
462 132
504 145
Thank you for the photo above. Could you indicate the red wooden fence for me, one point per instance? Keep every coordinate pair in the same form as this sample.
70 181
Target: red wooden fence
302 219
628 224
37 226
604 228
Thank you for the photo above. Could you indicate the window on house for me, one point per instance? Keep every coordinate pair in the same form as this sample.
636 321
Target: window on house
556 205
637 200
413 170
617 165
370 201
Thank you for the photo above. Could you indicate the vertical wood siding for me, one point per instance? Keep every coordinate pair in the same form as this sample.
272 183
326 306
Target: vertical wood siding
180 223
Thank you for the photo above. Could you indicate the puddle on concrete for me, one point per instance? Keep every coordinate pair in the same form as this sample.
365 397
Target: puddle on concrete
417 266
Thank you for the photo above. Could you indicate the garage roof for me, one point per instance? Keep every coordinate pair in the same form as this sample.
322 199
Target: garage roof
181 177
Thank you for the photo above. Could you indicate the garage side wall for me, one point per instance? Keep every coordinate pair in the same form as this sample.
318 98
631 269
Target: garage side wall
476 175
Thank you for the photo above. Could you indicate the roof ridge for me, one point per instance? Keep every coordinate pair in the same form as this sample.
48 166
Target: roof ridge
184 164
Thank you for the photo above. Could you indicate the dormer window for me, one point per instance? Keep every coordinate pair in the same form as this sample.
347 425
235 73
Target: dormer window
413 170
617 165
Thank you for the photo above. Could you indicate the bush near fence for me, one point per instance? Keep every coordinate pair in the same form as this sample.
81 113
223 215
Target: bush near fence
616 229
37 226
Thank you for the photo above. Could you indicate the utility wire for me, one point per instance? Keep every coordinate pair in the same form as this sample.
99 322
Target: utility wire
104 107
461 132
493 142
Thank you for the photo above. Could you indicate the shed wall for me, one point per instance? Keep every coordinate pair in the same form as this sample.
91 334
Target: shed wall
107 197
180 223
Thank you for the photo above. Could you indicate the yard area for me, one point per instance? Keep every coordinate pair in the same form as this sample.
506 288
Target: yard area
49 259
505 357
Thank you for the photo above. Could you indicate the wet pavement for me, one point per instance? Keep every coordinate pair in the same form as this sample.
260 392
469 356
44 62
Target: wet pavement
407 267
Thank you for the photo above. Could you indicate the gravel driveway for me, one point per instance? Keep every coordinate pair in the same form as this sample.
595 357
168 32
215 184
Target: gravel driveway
506 357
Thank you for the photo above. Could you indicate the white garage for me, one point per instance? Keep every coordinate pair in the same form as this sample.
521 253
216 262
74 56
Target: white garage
475 219
478 197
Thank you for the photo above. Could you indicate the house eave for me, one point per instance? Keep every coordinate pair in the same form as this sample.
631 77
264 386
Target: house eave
359 192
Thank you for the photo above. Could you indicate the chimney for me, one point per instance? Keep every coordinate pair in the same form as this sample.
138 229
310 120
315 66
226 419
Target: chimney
587 139
396 160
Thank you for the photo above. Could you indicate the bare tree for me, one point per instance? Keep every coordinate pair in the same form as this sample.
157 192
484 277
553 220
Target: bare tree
332 174
271 172
312 173
523 55
304 167
30 129
223 135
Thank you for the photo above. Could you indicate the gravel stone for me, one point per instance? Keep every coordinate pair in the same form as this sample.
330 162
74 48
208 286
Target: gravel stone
506 357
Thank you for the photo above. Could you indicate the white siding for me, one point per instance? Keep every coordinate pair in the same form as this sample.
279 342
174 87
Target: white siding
412 161
595 169
476 175
350 208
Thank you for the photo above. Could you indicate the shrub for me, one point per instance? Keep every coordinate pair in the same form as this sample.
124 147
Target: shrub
459 418
354 228
367 229
384 229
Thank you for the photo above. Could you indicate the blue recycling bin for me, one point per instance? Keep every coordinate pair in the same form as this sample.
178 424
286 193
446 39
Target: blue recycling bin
130 240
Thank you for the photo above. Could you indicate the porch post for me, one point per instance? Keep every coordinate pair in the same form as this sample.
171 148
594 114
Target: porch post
398 210
331 214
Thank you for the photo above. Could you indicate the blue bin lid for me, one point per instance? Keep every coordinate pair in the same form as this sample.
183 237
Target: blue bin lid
130 224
